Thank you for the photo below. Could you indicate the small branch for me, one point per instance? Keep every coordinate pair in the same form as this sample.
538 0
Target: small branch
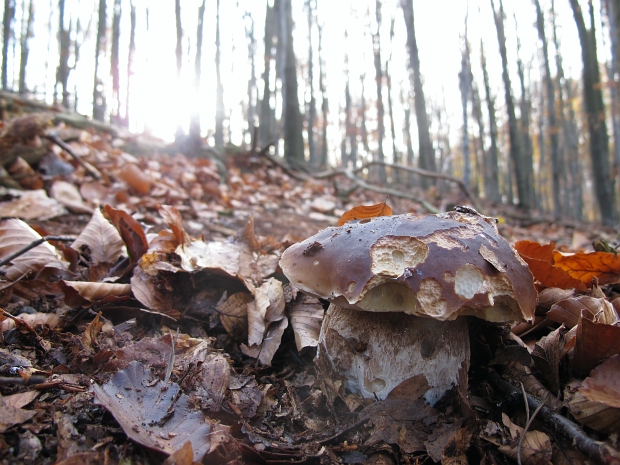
32 245
23 381
597 451
264 152
94 172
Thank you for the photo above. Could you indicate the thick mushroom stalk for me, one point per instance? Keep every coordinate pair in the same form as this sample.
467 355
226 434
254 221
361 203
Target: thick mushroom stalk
398 285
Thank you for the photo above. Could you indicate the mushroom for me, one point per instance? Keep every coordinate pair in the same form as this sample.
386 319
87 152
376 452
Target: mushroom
399 287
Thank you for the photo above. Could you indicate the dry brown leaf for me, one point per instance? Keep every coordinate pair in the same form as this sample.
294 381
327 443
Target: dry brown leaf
604 266
536 448
546 355
540 261
594 342
95 292
136 178
306 315
130 230
173 217
67 194
568 311
33 320
100 240
595 415
233 314
365 211
213 256
32 205
602 384
271 342
14 236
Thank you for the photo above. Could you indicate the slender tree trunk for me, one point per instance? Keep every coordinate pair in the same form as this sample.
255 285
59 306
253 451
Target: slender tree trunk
293 124
595 113
405 102
324 103
395 155
114 64
25 46
552 120
179 55
376 46
130 58
516 151
492 161
64 43
465 85
426 158
99 103
252 87
7 33
194 123
525 109
219 102
362 113
267 117
312 152
612 70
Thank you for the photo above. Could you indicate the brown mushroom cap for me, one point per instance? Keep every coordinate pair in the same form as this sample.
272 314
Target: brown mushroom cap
440 266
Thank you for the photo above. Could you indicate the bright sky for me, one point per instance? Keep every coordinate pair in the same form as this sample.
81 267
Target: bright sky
159 102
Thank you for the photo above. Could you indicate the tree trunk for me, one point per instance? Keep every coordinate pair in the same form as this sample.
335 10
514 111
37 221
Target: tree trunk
426 158
266 116
525 109
376 47
179 55
312 152
516 152
406 102
64 43
396 158
612 69
324 104
130 58
219 102
115 117
362 114
25 46
293 125
465 85
491 185
252 87
99 103
7 33
552 121
595 114
194 123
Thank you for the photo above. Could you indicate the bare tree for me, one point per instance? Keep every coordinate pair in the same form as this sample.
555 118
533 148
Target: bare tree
7 33
376 48
219 102
130 58
595 114
312 152
552 120
64 44
516 152
114 64
252 86
324 103
465 85
491 185
266 113
99 103
426 158
293 124
26 34
194 123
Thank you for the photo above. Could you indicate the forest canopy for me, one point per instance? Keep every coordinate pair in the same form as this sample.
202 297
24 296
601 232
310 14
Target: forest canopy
516 99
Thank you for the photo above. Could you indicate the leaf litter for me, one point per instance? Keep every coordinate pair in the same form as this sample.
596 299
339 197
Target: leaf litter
166 331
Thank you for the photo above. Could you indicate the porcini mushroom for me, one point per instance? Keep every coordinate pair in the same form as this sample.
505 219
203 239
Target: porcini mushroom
399 287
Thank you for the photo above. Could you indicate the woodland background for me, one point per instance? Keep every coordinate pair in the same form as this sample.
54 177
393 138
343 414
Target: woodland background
523 121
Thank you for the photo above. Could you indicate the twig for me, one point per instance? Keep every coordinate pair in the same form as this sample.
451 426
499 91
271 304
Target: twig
23 381
595 450
94 172
529 421
20 322
32 245
264 152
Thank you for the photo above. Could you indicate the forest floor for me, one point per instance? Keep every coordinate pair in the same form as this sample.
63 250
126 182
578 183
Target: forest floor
125 336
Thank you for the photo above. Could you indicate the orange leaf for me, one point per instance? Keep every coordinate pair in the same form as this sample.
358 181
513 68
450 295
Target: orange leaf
585 266
365 211
540 260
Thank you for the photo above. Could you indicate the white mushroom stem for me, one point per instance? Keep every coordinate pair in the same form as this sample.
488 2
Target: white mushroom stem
373 353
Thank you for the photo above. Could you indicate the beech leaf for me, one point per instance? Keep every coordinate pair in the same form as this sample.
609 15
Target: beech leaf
365 211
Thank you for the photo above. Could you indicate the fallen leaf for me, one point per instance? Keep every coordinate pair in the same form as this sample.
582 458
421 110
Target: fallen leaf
539 258
131 232
546 355
155 414
14 236
67 194
306 315
365 211
99 240
32 205
82 293
602 384
604 266
594 414
594 342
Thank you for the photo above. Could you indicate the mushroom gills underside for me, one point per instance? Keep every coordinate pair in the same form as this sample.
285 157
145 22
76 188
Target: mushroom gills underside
373 353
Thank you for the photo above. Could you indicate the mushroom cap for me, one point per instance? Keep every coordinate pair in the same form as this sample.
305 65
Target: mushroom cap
440 266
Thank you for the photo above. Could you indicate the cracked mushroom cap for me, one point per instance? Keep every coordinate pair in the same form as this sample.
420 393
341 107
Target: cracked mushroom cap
440 266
